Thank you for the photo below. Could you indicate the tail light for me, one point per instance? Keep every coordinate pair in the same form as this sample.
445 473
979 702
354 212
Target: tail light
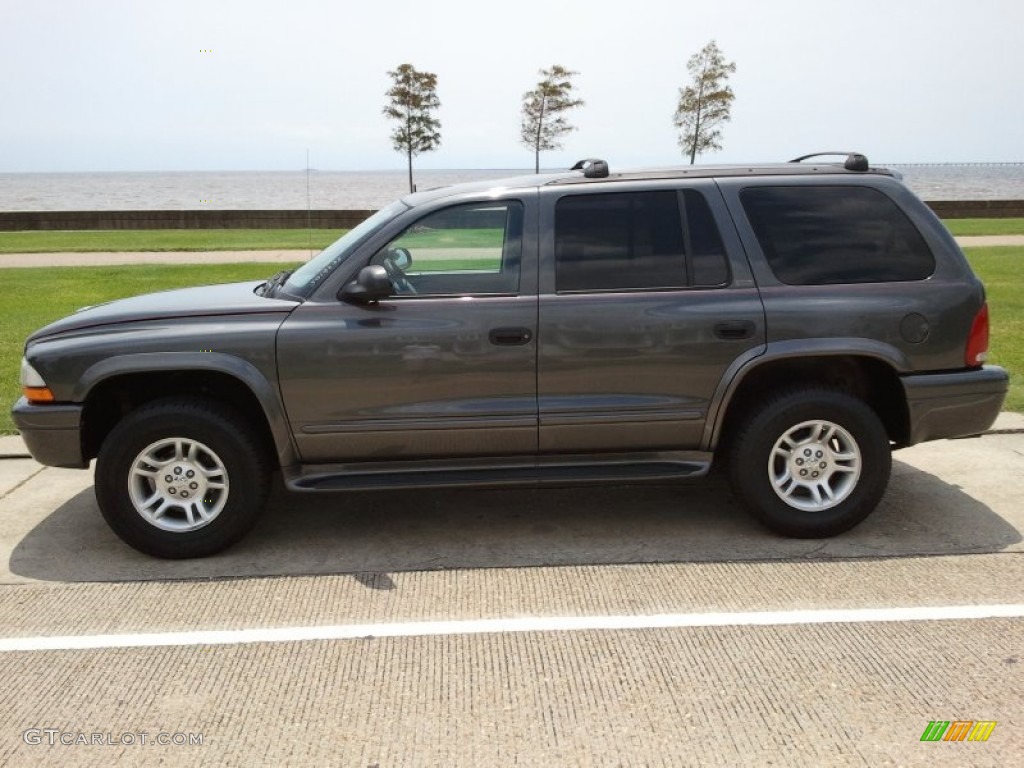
977 342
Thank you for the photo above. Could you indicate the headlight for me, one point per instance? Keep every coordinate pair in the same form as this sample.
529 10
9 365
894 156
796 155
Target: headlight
32 385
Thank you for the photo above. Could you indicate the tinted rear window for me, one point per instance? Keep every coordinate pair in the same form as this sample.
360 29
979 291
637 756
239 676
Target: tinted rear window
637 241
827 235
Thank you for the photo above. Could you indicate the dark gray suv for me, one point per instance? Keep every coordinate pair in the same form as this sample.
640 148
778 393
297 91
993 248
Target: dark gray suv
795 322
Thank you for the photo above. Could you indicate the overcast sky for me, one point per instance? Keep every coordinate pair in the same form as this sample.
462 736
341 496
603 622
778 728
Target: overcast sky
123 85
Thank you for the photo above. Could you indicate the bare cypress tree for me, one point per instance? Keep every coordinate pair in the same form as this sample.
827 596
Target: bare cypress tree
413 99
543 120
704 105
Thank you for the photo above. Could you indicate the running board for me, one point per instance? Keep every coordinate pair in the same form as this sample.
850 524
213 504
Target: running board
500 473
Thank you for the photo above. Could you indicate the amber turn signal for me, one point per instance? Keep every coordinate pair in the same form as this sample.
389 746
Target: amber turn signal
37 394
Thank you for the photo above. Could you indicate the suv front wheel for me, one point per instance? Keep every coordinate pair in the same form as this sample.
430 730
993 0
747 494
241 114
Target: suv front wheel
181 477
811 463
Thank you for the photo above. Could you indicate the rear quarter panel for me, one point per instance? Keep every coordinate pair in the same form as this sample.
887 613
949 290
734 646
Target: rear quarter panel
947 301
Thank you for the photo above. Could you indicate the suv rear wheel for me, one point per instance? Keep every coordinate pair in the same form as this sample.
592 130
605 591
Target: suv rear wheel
181 477
811 463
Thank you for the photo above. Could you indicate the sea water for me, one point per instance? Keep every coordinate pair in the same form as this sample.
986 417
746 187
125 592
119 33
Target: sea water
277 190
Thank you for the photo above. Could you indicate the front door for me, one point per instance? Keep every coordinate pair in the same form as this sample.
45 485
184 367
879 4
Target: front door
445 367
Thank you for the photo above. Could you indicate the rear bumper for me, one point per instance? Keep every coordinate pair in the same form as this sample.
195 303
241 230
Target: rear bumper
52 433
961 404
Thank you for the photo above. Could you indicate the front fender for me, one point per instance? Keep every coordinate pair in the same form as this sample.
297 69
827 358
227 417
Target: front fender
264 391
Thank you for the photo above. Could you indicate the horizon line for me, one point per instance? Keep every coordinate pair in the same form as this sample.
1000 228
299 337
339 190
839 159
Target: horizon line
527 170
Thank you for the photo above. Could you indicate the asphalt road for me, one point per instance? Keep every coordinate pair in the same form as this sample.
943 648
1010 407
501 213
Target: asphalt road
646 625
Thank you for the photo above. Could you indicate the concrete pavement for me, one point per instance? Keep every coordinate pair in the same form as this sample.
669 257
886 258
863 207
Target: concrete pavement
950 532
988 241
946 497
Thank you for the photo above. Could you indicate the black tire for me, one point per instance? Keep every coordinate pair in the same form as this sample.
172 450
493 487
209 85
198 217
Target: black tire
756 470
230 455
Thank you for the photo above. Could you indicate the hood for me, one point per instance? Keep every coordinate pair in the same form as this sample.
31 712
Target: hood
207 300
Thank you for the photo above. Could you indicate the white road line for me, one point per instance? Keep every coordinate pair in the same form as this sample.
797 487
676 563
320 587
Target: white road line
524 624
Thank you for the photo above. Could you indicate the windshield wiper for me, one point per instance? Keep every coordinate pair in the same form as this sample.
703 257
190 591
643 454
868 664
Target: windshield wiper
276 281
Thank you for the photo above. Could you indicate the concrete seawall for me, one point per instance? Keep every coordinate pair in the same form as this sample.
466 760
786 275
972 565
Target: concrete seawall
977 209
16 221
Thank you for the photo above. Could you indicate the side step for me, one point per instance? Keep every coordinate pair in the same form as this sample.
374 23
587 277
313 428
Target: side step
500 473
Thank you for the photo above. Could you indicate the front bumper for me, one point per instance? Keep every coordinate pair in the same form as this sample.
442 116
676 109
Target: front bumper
961 404
53 433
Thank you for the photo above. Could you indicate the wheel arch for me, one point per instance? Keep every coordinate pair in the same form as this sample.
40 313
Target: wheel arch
115 386
868 373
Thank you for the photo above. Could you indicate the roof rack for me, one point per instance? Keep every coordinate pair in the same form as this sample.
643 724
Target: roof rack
592 168
854 160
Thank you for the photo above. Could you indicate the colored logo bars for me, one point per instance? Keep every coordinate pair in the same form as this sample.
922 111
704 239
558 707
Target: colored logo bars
958 730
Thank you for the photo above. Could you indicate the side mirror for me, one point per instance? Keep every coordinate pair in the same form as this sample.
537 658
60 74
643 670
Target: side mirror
400 257
371 284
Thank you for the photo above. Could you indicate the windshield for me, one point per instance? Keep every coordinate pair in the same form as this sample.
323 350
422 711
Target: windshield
306 278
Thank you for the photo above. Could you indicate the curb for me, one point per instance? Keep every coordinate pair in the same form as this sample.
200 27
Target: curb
13 447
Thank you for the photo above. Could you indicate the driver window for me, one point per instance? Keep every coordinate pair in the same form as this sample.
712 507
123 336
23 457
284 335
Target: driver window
463 250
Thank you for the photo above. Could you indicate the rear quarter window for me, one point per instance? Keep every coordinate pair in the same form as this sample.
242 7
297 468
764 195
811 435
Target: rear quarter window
819 235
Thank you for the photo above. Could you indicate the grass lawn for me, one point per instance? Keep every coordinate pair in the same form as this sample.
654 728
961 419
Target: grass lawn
167 240
33 297
985 226
1001 269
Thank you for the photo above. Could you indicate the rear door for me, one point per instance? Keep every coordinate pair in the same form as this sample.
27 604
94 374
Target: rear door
646 301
